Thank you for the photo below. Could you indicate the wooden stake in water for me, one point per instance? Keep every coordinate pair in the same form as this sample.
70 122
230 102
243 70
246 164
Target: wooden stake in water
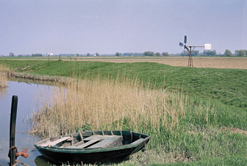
12 128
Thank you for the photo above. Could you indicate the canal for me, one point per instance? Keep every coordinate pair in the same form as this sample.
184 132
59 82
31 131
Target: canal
28 94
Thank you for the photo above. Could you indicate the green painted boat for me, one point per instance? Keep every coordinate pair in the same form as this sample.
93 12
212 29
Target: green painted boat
92 146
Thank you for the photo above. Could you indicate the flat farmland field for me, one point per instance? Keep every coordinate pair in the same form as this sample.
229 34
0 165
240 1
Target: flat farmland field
201 62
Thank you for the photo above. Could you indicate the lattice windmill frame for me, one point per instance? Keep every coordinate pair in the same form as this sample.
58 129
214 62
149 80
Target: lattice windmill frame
190 49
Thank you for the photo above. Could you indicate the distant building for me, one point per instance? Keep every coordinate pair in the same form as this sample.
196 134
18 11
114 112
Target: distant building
11 54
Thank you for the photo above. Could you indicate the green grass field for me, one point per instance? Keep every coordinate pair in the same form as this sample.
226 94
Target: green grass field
224 85
197 140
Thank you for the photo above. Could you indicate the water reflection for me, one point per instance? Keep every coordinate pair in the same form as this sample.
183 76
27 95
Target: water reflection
3 92
28 93
40 160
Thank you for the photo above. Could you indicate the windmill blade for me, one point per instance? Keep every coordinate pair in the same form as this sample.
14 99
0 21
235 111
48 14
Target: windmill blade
185 39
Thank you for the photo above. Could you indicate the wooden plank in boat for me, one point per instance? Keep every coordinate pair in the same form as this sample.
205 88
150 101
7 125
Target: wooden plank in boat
55 142
137 141
102 137
86 144
108 141
74 145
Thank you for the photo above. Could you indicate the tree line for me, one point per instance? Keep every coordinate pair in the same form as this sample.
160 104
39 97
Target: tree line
227 53
237 53
186 53
214 53
146 53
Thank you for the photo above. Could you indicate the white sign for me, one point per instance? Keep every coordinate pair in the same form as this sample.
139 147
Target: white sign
208 46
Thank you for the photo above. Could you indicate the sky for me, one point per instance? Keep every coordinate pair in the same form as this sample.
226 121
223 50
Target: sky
110 26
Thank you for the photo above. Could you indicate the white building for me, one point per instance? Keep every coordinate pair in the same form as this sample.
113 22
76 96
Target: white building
49 54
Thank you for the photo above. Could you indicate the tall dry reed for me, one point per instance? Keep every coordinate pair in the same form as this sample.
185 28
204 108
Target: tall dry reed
106 105
3 75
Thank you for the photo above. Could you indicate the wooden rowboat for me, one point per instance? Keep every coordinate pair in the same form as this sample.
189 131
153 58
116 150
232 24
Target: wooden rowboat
92 146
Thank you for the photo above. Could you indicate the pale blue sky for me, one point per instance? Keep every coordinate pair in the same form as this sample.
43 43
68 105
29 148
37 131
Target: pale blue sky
110 26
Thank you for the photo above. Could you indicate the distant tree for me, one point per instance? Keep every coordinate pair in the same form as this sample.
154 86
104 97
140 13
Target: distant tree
36 55
88 54
148 53
97 54
240 53
127 54
209 53
165 54
228 53
157 54
195 53
117 54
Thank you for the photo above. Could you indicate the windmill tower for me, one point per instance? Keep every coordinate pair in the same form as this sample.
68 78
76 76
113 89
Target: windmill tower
190 49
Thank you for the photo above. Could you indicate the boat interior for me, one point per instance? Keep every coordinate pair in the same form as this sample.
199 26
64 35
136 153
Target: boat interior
93 139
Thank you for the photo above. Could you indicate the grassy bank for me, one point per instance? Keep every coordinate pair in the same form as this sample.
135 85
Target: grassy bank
181 128
225 85
204 124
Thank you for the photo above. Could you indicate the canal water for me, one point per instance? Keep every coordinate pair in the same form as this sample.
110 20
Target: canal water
27 97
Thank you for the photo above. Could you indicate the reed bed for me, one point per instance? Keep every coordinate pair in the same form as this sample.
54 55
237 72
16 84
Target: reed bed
104 104
3 92
4 70
38 77
181 128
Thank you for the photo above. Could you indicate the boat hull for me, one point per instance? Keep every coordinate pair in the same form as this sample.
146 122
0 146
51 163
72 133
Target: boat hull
93 155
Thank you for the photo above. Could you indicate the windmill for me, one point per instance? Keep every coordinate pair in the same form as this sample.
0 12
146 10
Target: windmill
181 44
207 46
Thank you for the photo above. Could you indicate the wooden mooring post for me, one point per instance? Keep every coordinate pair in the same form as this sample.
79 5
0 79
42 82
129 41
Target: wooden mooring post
12 130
